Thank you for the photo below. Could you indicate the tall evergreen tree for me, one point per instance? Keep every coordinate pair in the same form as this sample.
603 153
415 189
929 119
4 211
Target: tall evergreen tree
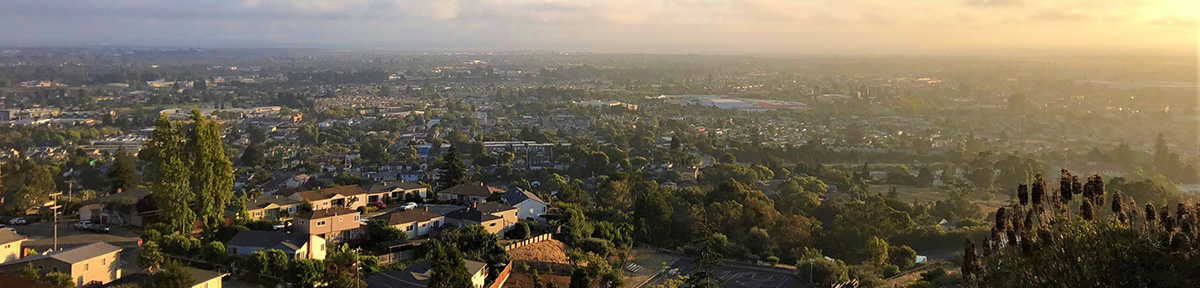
168 173
211 173
124 172
454 172
447 268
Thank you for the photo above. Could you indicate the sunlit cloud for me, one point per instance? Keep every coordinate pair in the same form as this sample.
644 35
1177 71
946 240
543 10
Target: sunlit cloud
659 26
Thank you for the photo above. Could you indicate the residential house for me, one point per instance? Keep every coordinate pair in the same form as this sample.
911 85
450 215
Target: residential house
10 245
272 207
349 196
396 191
117 209
417 275
200 278
416 223
96 263
528 205
494 217
205 278
295 245
467 193
335 225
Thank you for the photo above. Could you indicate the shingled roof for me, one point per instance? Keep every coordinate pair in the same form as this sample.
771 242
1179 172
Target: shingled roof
326 213
517 195
327 193
269 240
410 216
469 189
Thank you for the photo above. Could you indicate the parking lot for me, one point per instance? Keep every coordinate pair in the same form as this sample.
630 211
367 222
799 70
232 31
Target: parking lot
736 277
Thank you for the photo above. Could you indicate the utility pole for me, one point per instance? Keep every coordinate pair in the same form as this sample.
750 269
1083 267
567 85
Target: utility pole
54 209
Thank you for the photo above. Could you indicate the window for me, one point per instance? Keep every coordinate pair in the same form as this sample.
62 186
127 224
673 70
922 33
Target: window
7 245
87 266
339 219
103 261
492 225
55 269
409 228
320 223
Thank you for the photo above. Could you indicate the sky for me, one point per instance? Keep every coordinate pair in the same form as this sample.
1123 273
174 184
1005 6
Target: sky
787 27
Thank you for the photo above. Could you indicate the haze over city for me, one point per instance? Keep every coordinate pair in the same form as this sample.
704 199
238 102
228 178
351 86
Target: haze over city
926 27
599 143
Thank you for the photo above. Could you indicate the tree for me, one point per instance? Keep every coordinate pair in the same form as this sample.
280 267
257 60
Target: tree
276 261
447 268
259 262
305 272
454 172
520 231
26 184
150 256
902 256
380 231
172 275
169 172
253 155
123 174
214 252
59 279
211 171
580 279
823 272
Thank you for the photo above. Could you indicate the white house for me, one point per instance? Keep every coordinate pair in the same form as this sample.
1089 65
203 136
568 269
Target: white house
528 205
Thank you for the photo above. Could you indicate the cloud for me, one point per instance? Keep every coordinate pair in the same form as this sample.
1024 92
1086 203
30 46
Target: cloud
995 3
1174 22
700 26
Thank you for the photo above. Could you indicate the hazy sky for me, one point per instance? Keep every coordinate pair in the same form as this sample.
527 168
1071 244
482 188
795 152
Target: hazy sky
652 26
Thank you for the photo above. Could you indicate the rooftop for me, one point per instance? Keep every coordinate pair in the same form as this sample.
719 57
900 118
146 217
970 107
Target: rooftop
470 189
269 239
397 218
326 213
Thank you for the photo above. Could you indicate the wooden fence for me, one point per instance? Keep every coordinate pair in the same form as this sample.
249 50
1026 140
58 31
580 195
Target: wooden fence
503 276
531 240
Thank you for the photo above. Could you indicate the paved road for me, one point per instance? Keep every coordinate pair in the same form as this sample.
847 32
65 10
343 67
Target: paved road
736 277
41 236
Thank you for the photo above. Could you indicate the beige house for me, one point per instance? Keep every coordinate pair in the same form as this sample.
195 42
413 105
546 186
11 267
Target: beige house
273 207
295 245
415 223
349 196
335 225
10 245
96 263
468 193
395 191
494 217
206 278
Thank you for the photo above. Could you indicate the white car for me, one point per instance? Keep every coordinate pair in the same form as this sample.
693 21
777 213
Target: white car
17 221
409 206
83 224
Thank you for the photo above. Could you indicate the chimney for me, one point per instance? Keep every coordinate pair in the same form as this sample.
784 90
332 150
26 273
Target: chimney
474 204
118 190
426 208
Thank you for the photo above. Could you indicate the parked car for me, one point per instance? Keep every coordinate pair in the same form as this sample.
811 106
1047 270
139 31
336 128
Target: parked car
17 221
82 224
379 205
279 226
409 206
98 228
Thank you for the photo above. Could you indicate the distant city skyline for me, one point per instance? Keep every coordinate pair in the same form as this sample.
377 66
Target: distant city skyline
777 27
